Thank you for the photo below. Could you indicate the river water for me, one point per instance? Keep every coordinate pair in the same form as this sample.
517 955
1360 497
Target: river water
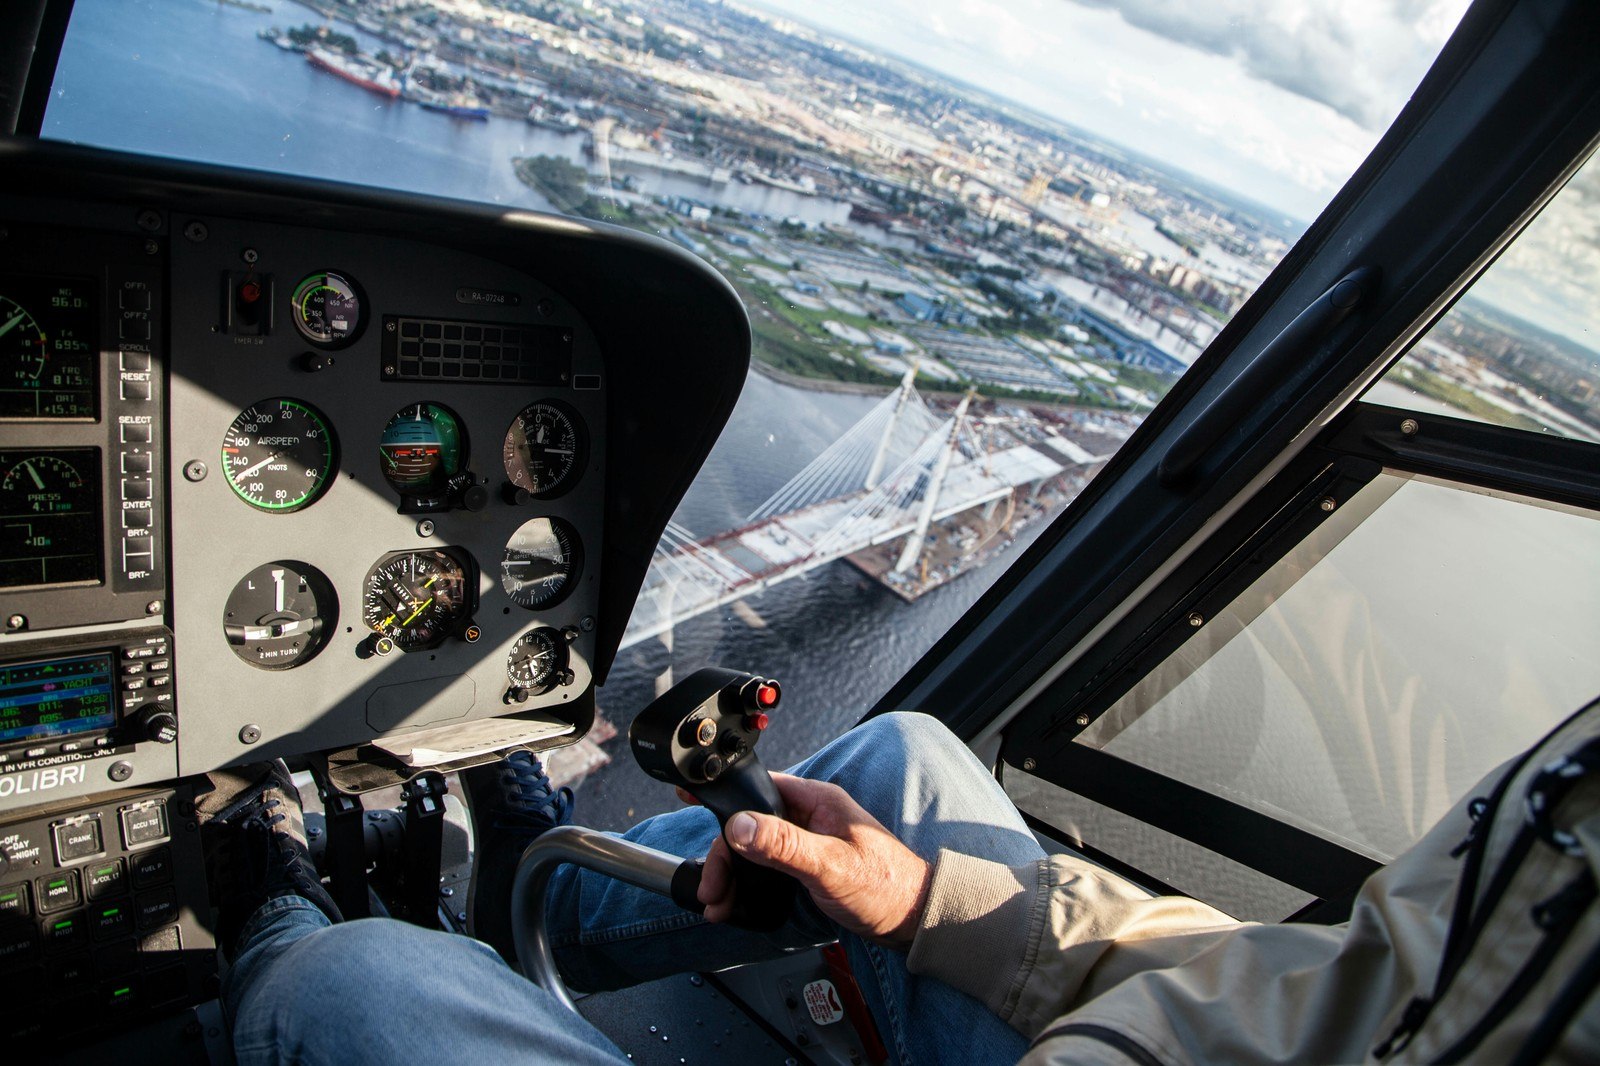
188 78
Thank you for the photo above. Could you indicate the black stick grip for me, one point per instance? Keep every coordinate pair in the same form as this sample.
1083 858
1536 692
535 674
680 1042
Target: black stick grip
763 898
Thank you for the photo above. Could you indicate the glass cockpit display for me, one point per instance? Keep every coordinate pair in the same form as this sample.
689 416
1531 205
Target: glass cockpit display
423 447
541 563
279 455
544 449
417 598
48 349
56 697
49 516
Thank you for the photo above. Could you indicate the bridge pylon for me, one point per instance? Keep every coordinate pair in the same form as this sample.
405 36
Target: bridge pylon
875 471
919 534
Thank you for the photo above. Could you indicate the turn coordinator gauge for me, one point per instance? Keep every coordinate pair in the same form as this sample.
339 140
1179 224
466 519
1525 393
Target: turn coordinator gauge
280 615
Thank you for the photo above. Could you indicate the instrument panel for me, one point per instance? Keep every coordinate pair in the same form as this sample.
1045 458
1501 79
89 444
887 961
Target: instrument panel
365 499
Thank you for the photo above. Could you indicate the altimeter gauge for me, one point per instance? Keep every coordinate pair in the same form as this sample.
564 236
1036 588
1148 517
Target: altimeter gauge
544 452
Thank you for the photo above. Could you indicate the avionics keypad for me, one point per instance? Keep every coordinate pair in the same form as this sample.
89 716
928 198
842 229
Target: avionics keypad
99 910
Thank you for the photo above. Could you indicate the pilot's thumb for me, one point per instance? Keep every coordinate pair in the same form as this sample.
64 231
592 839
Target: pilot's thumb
779 844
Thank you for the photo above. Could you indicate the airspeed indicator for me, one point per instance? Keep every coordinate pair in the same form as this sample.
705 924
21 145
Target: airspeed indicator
279 455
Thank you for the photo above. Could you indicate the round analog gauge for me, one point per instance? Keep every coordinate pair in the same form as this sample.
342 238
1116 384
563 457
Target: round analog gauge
544 449
280 615
279 455
422 448
535 658
327 309
416 598
541 563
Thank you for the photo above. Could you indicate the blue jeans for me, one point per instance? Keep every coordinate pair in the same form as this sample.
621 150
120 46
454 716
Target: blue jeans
303 990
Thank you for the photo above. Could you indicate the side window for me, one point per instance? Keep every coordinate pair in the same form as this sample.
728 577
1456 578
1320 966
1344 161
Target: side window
1522 347
1423 634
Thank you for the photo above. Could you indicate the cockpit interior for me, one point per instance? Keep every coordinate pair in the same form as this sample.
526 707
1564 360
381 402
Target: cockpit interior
370 481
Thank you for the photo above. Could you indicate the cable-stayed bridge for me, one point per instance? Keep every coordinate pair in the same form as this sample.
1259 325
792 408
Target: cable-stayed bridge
892 475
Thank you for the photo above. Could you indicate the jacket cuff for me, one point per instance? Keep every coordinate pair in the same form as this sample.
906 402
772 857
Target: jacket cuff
975 929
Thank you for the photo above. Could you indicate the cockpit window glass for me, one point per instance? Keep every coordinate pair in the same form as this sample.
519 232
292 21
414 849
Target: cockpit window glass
1522 347
1374 674
1050 207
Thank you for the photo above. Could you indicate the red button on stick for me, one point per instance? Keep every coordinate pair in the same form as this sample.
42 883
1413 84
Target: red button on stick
757 721
767 696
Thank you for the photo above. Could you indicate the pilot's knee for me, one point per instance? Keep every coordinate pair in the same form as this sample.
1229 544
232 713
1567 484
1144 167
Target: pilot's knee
910 737
885 751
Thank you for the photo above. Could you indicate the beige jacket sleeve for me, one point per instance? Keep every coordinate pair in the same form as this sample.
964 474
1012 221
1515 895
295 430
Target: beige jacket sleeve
1033 942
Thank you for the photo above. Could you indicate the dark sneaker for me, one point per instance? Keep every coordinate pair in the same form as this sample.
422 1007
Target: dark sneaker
511 802
254 834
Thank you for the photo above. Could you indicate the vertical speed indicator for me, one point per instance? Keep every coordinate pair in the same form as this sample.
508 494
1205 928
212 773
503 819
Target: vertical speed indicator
279 455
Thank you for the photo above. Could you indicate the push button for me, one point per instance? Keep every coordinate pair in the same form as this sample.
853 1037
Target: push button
136 433
111 921
157 908
18 943
136 462
77 839
144 823
161 942
116 958
104 880
134 299
65 932
151 867
135 390
59 892
69 975
14 901
120 997
135 489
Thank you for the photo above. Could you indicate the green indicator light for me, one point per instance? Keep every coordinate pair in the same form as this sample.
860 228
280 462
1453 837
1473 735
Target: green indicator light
8 897
121 992
65 924
53 885
111 912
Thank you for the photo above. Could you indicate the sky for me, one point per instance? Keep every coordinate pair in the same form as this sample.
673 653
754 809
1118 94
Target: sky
1278 100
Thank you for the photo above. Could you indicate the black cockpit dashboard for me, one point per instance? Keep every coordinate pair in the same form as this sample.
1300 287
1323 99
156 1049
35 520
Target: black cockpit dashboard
301 470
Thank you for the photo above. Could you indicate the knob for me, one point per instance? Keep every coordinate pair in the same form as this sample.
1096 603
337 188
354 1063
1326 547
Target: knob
515 495
159 726
475 498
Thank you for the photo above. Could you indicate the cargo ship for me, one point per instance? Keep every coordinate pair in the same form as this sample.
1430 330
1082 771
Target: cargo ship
358 70
456 105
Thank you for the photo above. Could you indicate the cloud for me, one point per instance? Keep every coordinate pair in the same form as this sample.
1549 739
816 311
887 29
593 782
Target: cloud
1361 58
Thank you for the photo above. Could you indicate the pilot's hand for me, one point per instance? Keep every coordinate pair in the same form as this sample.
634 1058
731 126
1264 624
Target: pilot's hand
858 874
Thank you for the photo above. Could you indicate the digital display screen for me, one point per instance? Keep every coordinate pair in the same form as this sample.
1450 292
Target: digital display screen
49 516
49 350
56 697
